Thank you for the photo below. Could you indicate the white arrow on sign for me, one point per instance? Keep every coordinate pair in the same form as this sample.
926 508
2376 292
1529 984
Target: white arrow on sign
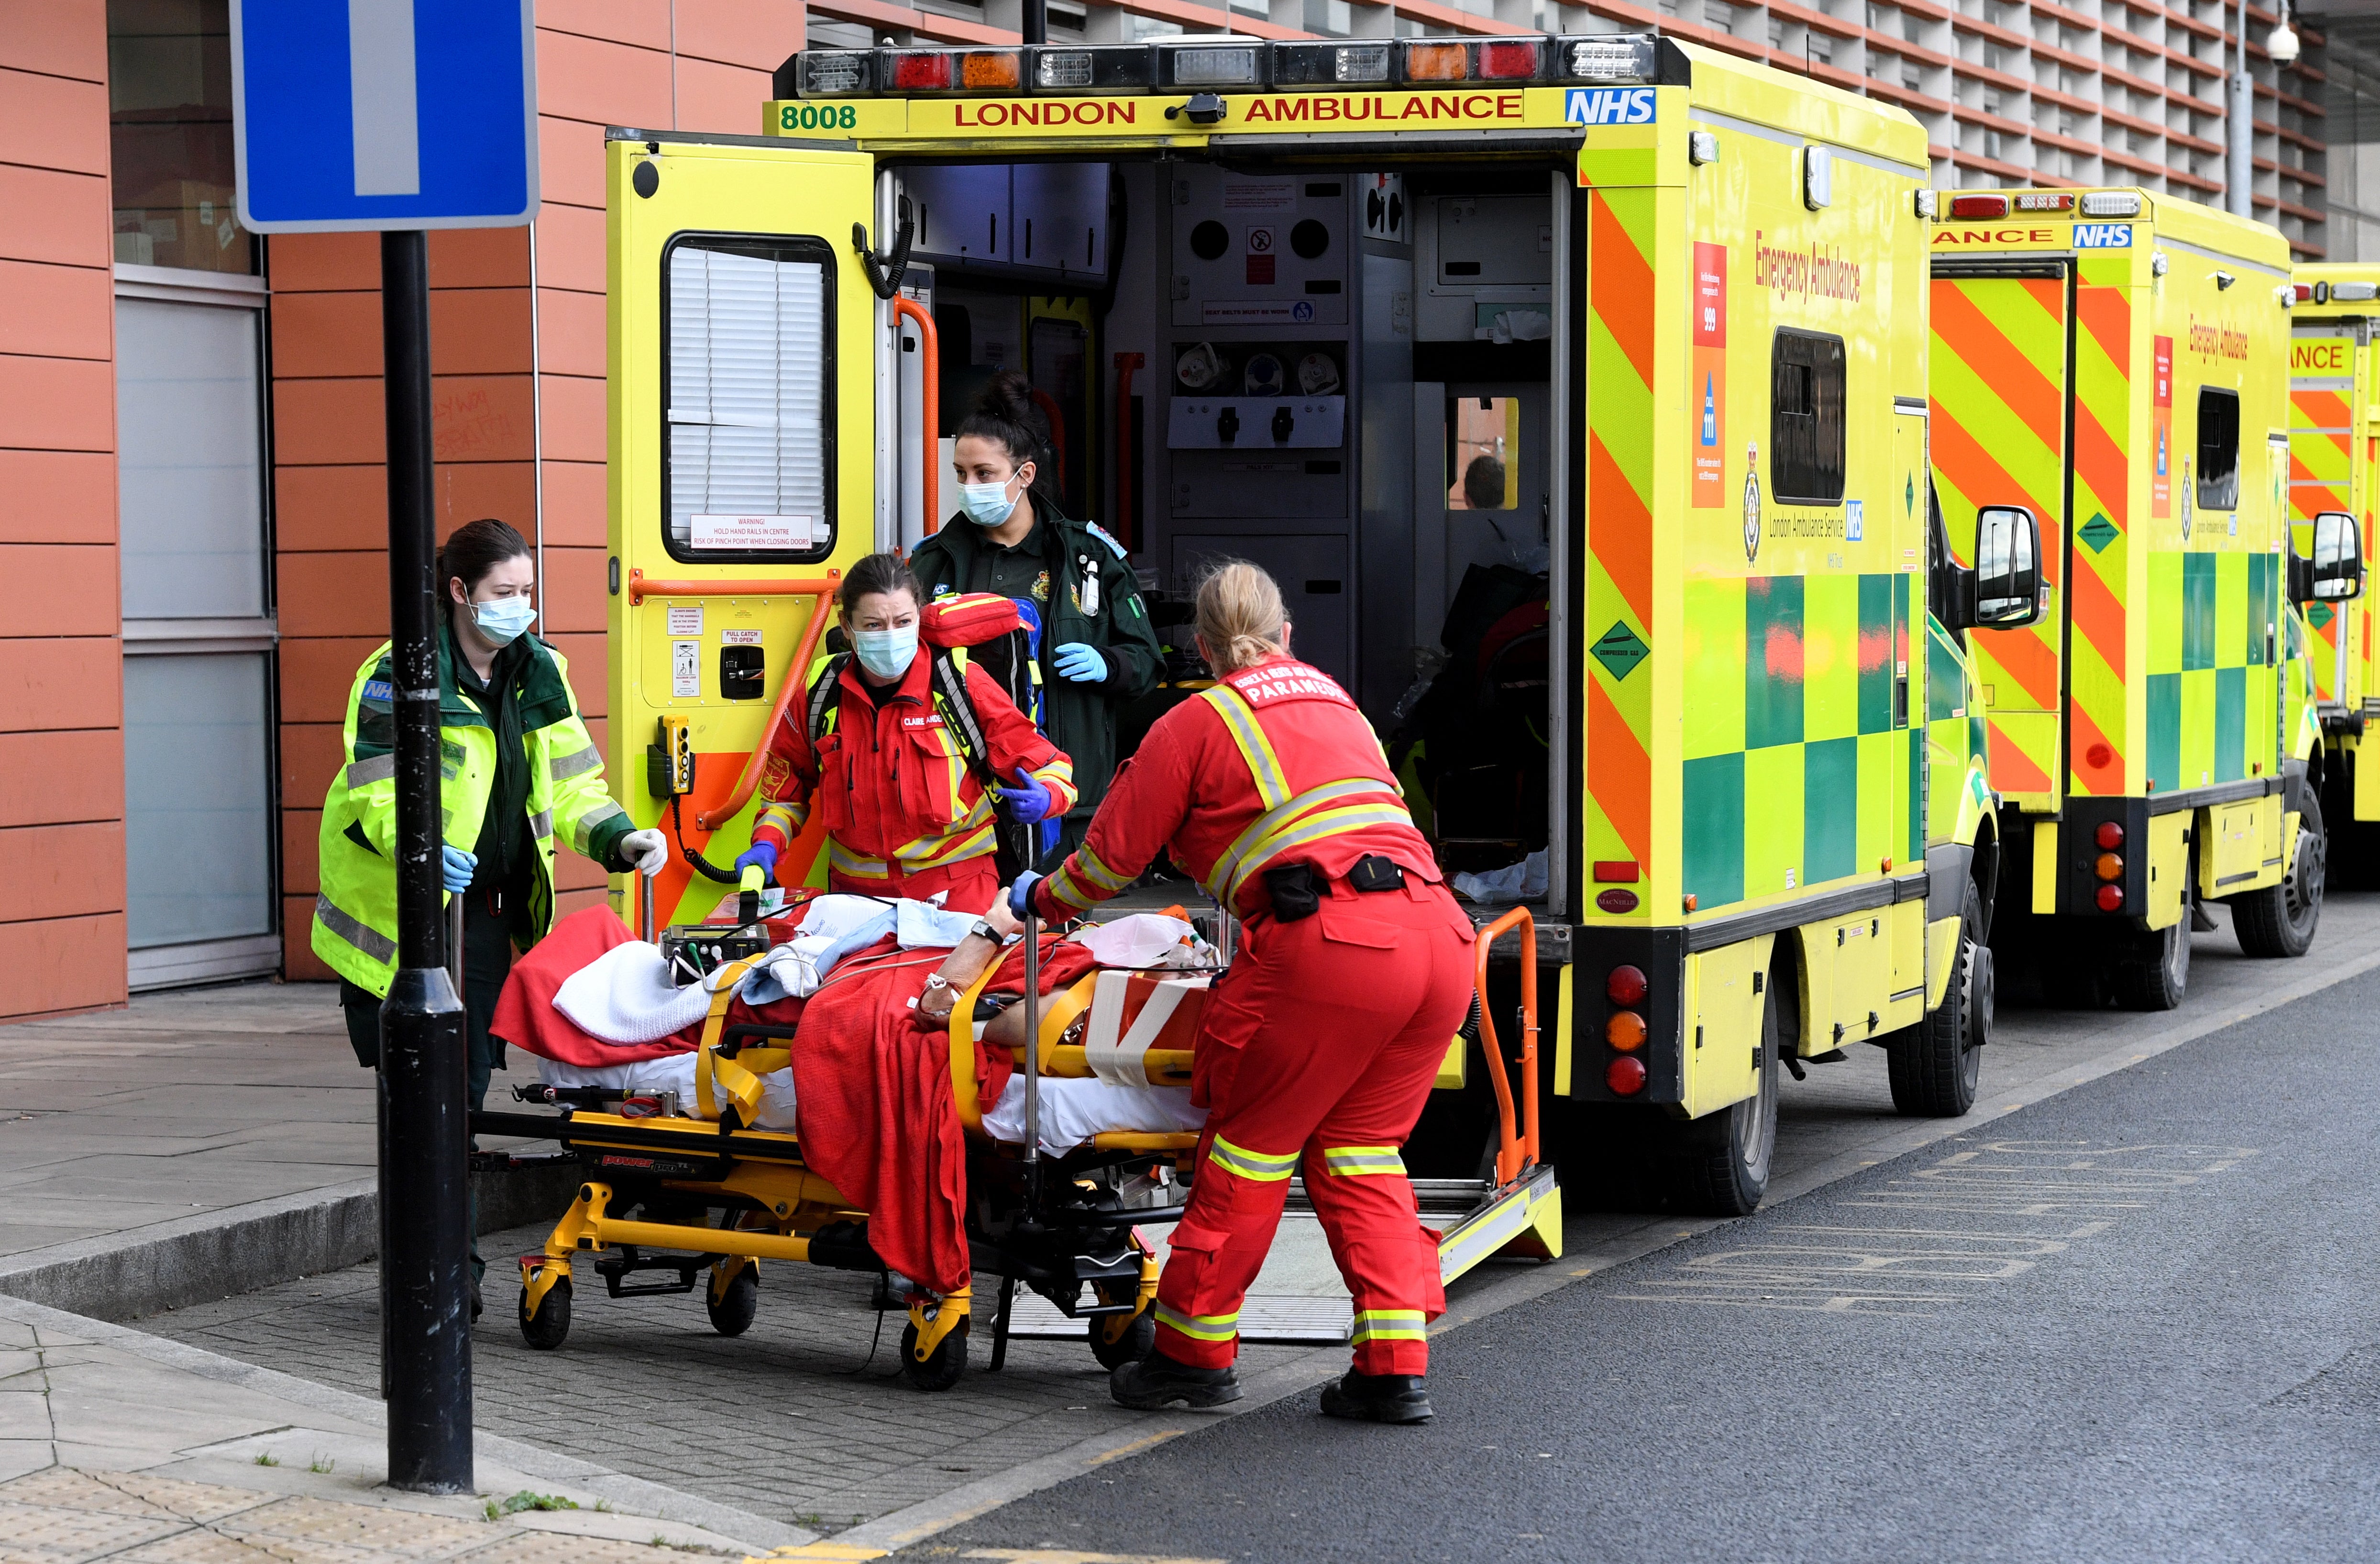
380 97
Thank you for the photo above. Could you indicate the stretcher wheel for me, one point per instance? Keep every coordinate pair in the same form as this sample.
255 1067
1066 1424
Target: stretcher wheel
731 1314
1139 1342
943 1368
552 1322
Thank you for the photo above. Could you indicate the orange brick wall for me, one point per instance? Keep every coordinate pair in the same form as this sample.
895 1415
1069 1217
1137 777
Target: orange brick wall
599 63
62 931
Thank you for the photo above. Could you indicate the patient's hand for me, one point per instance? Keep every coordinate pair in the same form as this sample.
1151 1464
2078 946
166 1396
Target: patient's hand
1004 922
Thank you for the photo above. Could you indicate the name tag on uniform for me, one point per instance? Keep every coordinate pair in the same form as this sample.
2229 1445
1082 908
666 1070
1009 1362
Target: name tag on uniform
935 721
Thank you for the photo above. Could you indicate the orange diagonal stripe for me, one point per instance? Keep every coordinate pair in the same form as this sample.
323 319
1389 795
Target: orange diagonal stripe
1620 773
2098 614
2106 314
1620 286
1619 528
2107 778
2013 770
2010 376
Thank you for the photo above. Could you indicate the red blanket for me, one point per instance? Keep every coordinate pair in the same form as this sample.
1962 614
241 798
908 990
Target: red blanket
527 1019
875 1109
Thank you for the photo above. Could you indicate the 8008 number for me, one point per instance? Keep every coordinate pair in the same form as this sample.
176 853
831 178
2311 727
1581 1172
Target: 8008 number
817 117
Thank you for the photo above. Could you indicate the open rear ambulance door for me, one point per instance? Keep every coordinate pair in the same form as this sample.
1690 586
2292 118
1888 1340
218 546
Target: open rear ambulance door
742 472
1999 375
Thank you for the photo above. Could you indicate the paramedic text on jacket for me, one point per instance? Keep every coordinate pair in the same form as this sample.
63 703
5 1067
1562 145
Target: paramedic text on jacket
1321 1046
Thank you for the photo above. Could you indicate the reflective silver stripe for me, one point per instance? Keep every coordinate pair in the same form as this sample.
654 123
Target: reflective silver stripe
563 768
364 773
584 831
364 937
542 822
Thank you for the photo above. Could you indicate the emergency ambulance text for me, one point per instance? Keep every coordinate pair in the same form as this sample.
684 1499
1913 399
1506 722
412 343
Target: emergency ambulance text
1377 108
1813 274
2213 341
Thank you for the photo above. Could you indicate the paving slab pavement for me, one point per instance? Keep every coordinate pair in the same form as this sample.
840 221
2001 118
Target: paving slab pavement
116 1445
644 1386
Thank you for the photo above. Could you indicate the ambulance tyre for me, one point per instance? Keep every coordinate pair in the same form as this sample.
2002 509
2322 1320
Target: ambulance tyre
1935 1065
1139 1342
545 1329
2152 966
732 1314
2279 920
1726 1171
943 1368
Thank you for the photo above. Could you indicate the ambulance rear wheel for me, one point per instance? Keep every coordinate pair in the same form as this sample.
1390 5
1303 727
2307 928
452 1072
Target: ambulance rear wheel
732 1312
1935 1065
1139 1342
2152 967
2279 920
1725 1171
545 1329
943 1366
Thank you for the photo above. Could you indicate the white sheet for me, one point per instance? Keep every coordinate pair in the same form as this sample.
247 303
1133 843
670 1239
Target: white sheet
1072 1111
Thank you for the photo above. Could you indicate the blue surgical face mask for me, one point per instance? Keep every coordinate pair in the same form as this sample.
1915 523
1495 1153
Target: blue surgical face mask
886 653
987 504
501 619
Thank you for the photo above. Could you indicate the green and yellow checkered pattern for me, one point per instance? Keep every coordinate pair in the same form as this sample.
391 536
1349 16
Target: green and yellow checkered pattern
2210 683
1790 741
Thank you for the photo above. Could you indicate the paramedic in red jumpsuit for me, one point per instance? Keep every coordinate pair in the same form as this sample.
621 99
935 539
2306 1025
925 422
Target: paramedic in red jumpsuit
1320 1047
905 814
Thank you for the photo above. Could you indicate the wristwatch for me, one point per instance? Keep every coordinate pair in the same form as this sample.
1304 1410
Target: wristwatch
983 930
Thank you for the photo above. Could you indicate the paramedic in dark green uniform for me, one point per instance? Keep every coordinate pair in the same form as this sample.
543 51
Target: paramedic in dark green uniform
1098 649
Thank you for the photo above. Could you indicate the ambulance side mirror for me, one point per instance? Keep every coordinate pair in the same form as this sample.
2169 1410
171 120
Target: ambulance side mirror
2006 585
2335 571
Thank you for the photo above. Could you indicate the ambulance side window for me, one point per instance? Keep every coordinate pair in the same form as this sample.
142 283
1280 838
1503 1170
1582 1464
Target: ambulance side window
1805 417
747 333
2219 449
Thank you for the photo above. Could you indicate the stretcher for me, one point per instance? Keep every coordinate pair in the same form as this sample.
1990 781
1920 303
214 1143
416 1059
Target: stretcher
674 1196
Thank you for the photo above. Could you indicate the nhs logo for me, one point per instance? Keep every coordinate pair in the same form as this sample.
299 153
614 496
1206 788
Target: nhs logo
2103 236
1609 105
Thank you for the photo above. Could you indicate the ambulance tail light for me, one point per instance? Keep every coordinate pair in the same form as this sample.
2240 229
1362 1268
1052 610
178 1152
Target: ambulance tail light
1329 64
2111 204
917 70
1114 67
2110 899
991 71
2305 292
1624 1031
1430 60
1624 1075
1510 59
1604 59
2109 837
1973 206
1212 65
835 73
2044 201
2108 866
1627 986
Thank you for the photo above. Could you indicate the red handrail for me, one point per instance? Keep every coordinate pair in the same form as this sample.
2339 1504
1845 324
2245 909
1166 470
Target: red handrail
1127 523
1513 1152
930 347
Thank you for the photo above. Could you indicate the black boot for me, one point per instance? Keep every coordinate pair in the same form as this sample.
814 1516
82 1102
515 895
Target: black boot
1378 1398
1157 1382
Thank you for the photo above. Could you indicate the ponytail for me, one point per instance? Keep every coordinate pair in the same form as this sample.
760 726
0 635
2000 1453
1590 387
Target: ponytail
474 549
1240 616
1007 415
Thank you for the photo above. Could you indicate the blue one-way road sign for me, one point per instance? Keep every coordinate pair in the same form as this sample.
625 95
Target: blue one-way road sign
384 113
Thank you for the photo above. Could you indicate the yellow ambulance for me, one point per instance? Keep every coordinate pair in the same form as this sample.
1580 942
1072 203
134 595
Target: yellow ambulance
2118 360
1574 391
2332 437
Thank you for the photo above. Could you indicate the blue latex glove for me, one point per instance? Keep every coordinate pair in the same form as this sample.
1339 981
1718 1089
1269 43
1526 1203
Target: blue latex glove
1029 804
1020 895
457 867
1080 663
762 854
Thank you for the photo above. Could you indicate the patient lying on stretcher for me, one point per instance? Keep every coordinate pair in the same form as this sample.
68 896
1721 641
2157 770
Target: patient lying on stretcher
601 1009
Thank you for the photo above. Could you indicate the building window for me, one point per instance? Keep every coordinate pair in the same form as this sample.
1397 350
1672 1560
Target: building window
169 130
1805 417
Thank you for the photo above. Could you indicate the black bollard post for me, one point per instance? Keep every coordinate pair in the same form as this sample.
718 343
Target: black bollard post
425 1303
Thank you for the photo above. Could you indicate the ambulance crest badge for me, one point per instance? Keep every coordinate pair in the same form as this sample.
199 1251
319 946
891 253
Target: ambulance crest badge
1752 501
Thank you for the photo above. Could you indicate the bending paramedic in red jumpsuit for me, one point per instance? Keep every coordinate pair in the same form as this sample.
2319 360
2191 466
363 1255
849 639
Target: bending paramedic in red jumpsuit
1321 1043
906 814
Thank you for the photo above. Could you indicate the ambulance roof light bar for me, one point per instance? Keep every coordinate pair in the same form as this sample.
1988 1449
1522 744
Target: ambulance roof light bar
1228 62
